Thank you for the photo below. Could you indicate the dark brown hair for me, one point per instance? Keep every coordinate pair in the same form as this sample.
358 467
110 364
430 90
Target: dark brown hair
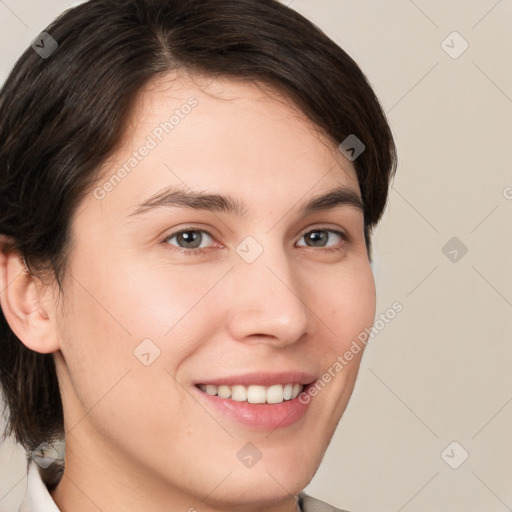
63 115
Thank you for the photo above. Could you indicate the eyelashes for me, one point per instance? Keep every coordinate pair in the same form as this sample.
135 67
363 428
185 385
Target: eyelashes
340 234
188 231
184 236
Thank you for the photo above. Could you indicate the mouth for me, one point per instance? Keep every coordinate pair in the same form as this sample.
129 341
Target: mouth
254 394
259 401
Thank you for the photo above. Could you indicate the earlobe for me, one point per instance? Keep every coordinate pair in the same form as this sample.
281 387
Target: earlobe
26 305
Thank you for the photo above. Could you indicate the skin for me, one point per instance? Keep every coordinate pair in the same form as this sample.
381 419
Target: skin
135 438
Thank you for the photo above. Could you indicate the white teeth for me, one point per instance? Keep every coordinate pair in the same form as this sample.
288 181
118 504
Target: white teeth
297 388
275 394
239 393
255 394
211 389
224 392
287 392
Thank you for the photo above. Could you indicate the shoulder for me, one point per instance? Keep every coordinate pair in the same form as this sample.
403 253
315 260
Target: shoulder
310 504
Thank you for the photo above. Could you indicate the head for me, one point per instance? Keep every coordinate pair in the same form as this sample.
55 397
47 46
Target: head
161 175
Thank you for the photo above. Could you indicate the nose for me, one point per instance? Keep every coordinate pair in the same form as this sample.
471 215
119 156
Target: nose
269 305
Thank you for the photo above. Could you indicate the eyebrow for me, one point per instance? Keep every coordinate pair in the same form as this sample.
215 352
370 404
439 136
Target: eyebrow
178 197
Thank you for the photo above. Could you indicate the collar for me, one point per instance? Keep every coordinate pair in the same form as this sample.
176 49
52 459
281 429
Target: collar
37 498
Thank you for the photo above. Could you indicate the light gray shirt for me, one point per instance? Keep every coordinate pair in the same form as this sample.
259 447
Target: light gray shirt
38 499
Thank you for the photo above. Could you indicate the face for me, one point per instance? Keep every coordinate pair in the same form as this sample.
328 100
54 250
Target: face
252 298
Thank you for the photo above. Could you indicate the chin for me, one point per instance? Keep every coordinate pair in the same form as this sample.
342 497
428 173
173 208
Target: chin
245 491
279 474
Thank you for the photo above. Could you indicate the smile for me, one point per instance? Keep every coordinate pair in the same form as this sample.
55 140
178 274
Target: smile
254 394
259 400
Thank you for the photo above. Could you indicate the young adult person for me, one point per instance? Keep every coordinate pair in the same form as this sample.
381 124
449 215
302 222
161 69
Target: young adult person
188 190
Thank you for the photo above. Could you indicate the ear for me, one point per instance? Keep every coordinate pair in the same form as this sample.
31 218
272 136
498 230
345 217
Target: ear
28 308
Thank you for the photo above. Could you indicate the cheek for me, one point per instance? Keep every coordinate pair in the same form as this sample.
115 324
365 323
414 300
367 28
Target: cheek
176 307
346 303
121 304
125 333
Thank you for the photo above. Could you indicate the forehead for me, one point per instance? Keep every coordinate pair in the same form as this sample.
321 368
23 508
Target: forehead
244 139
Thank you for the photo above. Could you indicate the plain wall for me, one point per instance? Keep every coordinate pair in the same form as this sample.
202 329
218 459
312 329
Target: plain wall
439 372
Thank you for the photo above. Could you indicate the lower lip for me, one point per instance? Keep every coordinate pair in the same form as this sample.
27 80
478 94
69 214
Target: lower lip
259 416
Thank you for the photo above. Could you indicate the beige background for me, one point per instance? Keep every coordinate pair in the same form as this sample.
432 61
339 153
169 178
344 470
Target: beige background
440 371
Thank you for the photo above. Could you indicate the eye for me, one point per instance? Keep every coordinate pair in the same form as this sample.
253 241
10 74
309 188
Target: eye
190 240
195 241
320 236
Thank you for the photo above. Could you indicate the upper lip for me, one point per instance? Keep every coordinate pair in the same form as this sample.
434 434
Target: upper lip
262 379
